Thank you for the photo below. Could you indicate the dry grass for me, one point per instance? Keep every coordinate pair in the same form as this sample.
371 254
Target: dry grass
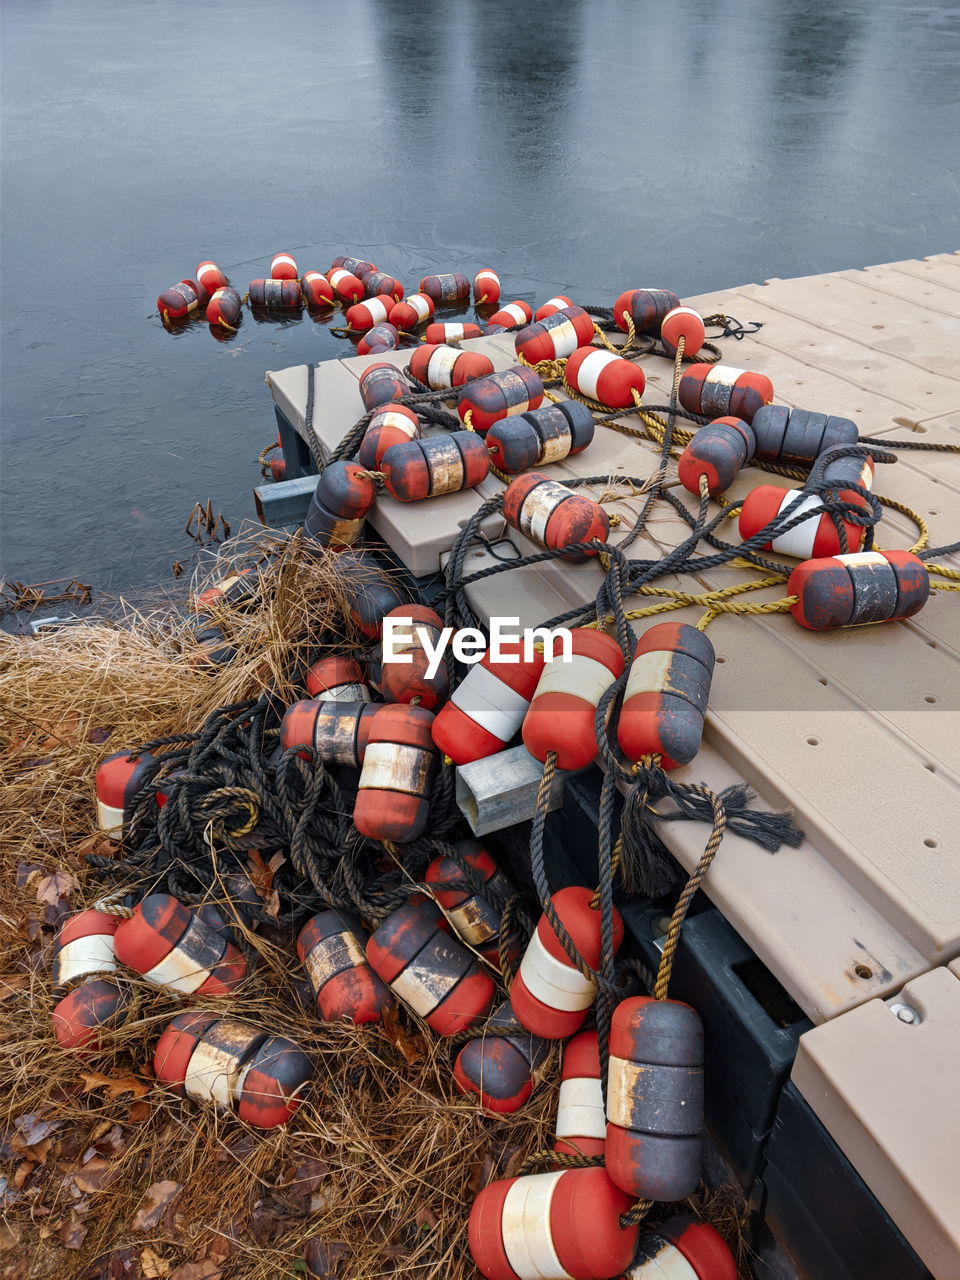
381 1164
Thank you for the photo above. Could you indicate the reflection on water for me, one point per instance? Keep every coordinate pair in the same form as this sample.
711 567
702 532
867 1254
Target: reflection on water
574 147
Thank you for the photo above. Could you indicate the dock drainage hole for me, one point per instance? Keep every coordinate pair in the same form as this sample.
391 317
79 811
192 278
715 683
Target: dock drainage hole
930 843
863 972
929 697
813 742
822 681
720 658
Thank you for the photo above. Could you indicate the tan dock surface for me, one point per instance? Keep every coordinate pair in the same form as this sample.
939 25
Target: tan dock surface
858 731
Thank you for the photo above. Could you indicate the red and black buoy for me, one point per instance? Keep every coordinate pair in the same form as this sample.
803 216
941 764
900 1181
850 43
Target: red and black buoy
553 516
246 1069
498 395
431 972
655 1098
403 677
336 732
471 912
331 949
419 469
665 699
171 946
499 1067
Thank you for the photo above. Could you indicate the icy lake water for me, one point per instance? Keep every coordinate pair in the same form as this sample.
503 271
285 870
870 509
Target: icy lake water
575 147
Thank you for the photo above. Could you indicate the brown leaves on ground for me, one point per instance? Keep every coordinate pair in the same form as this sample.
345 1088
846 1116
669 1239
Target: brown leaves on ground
261 877
56 886
154 1204
411 1045
116 1086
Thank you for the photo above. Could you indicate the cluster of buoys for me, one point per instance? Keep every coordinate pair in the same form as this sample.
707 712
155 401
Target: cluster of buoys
260 1076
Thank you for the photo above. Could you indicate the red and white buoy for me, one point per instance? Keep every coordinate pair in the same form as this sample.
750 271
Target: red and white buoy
119 777
551 305
683 322
601 376
364 315
550 995
211 277
283 267
510 316
812 538
83 964
414 310
581 1127
398 768
419 469
486 287
487 708
345 285
564 1224
564 705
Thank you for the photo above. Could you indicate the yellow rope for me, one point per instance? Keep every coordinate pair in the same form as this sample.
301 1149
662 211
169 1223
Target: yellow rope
917 519
468 420
942 571
945 586
714 601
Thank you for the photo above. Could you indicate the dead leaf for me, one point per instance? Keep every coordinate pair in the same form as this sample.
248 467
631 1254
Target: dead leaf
155 1201
111 1142
32 1128
9 1237
307 1177
73 1232
115 1085
152 1266
206 1270
322 1256
139 1111
96 843
96 1174
23 1172
57 885
425 1219
11 983
480 1174
411 1046
515 1159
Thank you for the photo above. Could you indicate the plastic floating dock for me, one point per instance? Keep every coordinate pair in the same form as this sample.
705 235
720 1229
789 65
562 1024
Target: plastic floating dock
858 731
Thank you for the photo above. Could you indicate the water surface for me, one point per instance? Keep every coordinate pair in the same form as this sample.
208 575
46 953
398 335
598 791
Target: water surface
575 147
